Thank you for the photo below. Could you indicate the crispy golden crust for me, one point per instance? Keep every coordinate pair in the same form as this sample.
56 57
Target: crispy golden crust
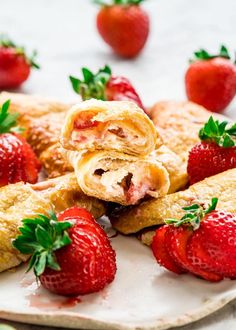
32 105
44 132
42 118
175 167
54 161
178 124
18 201
43 136
154 212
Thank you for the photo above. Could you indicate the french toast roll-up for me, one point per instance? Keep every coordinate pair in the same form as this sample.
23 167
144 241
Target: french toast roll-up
118 177
121 126
32 106
156 211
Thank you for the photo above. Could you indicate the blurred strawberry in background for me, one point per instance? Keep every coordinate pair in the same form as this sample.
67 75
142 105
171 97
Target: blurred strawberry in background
123 25
211 79
103 85
15 65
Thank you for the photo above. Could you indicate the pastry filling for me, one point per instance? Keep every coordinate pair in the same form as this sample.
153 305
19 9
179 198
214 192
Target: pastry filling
92 132
129 182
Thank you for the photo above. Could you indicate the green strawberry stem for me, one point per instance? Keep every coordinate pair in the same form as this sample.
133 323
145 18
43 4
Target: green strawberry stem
118 2
7 43
8 121
194 214
221 133
41 237
204 55
93 85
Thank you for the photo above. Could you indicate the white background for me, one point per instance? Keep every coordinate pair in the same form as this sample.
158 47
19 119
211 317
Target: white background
64 33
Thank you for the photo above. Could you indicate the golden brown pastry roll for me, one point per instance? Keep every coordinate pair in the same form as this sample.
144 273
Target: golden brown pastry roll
117 177
178 124
32 105
42 118
18 201
154 212
120 126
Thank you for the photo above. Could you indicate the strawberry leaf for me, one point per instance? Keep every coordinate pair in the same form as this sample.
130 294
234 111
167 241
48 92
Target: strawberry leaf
204 55
41 237
8 121
92 85
194 214
224 52
221 133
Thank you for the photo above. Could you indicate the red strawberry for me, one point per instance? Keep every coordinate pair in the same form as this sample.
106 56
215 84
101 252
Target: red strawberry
213 247
103 86
124 26
161 253
216 153
14 64
177 242
17 159
211 80
202 242
72 254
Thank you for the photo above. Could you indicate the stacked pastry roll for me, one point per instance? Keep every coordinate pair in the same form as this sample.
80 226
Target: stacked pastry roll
111 146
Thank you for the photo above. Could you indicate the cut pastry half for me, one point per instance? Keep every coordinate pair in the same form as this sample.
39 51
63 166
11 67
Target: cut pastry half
117 177
121 126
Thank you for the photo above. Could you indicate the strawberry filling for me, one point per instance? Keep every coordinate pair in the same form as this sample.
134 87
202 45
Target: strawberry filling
136 193
127 184
90 133
85 124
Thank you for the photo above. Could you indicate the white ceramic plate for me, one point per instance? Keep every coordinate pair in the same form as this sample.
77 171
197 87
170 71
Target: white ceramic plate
143 296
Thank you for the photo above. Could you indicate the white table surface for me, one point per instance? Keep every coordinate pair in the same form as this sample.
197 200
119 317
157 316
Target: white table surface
64 33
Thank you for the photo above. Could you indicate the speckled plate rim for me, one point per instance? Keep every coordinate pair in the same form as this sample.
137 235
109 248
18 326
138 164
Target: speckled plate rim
70 320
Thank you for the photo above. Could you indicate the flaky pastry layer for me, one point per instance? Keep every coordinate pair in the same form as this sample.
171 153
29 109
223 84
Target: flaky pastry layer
102 125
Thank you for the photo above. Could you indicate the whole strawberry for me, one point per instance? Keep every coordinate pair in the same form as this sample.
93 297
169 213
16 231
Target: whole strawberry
104 86
202 242
124 26
211 80
15 65
71 253
216 153
17 159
